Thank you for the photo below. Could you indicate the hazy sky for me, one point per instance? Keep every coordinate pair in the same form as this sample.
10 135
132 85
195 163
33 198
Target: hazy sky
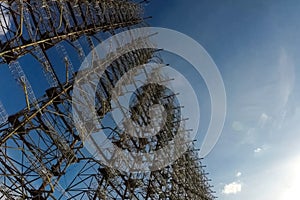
255 45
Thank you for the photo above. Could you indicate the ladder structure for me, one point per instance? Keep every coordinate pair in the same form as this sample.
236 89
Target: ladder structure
42 153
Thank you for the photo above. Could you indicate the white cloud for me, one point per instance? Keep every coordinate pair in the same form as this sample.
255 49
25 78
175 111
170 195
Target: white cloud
232 188
262 148
238 174
263 119
257 150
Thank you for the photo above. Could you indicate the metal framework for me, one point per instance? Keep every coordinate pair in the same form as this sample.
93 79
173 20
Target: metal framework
42 155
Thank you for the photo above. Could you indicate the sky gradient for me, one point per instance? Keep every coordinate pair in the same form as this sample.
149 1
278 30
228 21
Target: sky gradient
255 46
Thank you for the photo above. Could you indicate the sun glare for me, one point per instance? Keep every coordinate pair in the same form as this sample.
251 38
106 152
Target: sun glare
292 192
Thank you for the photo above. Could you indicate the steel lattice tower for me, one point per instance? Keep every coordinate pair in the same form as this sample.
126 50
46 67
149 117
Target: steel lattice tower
42 155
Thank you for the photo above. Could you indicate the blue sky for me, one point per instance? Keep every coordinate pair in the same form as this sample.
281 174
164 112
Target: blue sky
255 45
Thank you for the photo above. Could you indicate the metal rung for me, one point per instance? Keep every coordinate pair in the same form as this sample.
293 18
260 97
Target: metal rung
66 13
63 52
80 50
90 43
22 80
3 114
47 68
28 23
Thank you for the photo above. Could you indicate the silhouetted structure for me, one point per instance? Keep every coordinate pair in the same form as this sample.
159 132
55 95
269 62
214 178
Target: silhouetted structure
42 155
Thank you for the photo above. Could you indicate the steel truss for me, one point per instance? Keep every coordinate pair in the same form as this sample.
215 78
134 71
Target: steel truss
42 154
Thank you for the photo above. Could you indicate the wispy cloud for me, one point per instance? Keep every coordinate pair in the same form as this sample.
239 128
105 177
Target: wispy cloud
264 118
286 85
257 150
264 101
238 174
287 76
232 188
261 149
238 126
